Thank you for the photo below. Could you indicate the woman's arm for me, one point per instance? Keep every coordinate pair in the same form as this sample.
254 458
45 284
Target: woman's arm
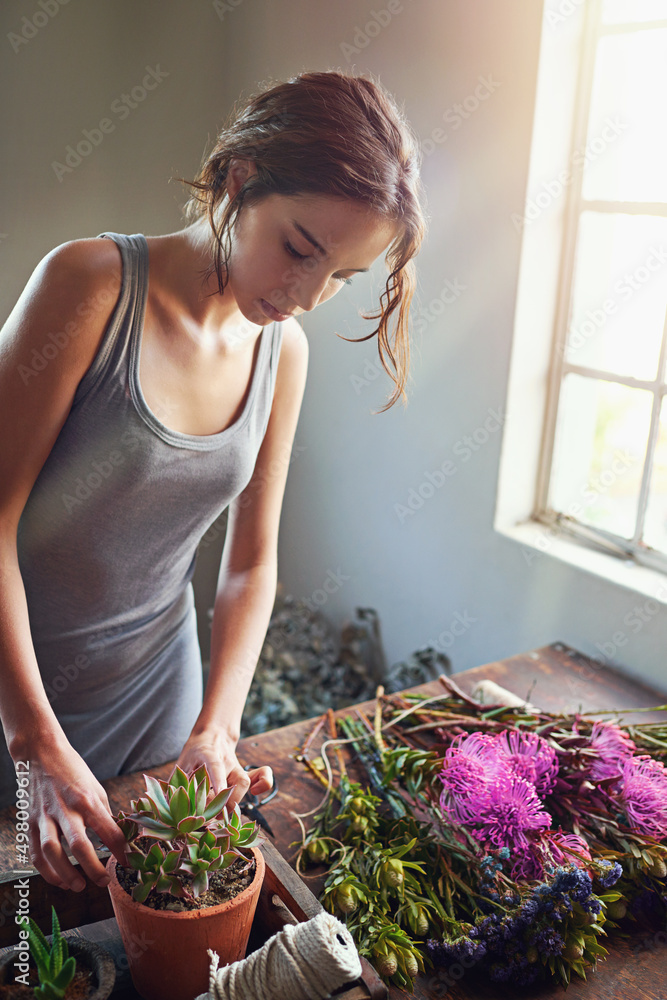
247 583
60 298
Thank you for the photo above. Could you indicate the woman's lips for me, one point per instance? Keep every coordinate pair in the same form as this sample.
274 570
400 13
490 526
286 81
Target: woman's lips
273 313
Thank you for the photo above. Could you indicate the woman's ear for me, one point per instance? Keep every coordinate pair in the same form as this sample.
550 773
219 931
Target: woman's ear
238 173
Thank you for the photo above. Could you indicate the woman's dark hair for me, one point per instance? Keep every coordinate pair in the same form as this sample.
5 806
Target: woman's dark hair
333 134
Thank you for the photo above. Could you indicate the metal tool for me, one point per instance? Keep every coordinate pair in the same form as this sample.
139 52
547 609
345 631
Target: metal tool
251 804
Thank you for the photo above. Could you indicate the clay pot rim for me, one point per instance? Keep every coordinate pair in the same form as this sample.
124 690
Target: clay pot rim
116 889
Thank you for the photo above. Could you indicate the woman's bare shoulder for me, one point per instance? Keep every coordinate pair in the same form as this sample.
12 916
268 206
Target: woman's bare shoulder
67 302
91 261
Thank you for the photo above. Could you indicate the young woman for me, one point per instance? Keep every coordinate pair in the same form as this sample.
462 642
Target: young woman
151 383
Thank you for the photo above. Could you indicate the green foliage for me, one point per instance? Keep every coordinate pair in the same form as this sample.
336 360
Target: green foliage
55 966
399 872
194 834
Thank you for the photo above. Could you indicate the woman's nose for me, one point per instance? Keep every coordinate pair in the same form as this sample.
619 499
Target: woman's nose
306 287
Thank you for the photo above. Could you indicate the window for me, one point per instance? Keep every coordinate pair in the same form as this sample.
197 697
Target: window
602 475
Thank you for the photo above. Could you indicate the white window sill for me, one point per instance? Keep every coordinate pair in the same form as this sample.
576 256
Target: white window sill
539 540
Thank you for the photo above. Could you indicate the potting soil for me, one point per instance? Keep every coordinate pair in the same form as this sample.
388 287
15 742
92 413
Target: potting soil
222 886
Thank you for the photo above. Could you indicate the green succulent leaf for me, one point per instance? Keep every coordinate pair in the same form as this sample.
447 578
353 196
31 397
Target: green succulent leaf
155 828
171 861
217 804
157 797
55 958
179 806
200 798
140 891
155 856
40 953
200 883
38 943
136 860
143 805
208 838
66 974
202 778
163 884
179 779
190 823
129 828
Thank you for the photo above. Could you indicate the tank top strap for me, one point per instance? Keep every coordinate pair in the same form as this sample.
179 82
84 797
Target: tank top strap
111 357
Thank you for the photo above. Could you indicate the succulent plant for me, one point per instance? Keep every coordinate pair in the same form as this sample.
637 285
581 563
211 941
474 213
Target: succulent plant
55 966
193 831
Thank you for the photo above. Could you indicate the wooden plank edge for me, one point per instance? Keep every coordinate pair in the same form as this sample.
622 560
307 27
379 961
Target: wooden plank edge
294 897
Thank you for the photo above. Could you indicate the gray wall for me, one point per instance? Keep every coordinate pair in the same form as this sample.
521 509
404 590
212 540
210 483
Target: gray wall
440 564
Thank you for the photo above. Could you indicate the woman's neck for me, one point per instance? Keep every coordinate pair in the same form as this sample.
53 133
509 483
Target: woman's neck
177 275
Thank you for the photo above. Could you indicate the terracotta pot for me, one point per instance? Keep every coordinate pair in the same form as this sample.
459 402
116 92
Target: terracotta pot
86 953
167 950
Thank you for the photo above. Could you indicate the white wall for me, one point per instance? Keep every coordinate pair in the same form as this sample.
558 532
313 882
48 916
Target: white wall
445 559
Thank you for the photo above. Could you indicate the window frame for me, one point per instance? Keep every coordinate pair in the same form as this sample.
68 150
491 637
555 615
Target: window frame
593 31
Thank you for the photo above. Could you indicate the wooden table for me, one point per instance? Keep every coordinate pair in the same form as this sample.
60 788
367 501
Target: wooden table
554 677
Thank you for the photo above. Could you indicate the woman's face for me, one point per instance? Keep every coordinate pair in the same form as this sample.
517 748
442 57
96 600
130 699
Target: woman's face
291 253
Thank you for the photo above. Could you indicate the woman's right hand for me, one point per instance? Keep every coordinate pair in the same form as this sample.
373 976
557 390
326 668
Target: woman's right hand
65 799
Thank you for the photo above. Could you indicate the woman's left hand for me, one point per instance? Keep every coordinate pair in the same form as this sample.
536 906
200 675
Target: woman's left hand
217 751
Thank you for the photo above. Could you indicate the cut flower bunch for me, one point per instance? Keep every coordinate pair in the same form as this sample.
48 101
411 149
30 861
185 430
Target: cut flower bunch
504 840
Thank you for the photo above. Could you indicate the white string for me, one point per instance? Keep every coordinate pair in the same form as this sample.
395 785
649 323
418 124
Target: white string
304 961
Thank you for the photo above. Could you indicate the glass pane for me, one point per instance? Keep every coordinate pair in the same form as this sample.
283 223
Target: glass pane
619 294
655 525
619 11
625 158
601 436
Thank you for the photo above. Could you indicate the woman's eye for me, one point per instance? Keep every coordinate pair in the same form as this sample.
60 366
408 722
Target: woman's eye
294 252
302 256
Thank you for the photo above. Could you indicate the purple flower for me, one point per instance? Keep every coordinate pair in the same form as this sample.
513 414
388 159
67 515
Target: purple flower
504 811
547 851
612 747
643 795
612 875
561 843
469 763
530 757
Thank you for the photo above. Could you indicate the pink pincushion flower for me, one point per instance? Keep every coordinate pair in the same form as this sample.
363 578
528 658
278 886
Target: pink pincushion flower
546 851
643 795
493 781
559 841
613 747
504 811
469 763
530 757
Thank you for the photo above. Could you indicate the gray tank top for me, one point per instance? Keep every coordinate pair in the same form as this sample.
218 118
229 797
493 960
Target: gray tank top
108 537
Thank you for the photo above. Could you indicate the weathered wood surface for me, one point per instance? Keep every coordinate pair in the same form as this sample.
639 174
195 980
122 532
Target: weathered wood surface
553 677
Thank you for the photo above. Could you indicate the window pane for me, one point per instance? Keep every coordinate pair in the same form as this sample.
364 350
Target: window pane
655 527
619 11
619 294
626 148
600 444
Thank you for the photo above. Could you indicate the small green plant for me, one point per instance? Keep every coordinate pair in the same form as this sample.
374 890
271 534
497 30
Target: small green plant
194 834
55 966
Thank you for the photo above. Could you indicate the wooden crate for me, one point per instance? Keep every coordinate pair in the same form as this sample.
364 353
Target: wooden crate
284 899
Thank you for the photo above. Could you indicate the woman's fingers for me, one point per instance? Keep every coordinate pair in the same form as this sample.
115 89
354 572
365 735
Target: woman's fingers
68 800
49 858
110 834
261 780
240 779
